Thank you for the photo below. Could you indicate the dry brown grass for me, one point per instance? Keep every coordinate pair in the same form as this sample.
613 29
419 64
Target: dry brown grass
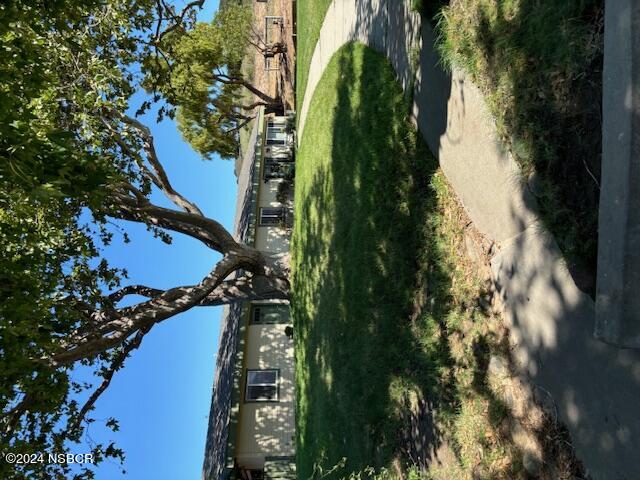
502 421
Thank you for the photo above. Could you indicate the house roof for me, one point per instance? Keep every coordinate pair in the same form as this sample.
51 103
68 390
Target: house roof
247 186
215 453
220 414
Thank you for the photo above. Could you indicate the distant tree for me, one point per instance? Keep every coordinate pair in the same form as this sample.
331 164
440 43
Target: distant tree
72 161
198 71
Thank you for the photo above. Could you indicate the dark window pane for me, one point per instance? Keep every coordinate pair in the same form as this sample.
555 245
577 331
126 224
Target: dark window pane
262 392
270 216
262 376
271 314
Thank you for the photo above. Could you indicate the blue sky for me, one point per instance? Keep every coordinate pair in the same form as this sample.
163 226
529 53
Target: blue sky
162 396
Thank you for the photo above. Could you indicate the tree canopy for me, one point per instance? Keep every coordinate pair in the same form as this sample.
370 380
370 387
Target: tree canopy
200 73
72 160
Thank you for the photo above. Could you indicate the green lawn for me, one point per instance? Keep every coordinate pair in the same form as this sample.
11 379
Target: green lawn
385 301
310 15
539 63
354 262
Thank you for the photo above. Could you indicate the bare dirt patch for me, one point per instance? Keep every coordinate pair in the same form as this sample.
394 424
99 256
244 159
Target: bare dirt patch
276 82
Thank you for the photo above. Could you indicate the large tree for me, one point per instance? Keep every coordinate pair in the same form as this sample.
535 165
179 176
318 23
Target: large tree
73 161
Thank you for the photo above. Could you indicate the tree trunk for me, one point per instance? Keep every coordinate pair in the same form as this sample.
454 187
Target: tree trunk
274 49
249 86
277 108
111 327
272 104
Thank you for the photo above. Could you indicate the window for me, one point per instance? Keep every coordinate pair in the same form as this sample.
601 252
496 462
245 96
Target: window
270 314
276 127
271 216
276 134
277 169
262 386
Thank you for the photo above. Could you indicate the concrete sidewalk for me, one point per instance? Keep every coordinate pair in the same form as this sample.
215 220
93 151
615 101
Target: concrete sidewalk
596 387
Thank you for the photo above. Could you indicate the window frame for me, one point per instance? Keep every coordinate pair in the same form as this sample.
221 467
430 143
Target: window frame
257 310
279 218
276 141
247 399
276 133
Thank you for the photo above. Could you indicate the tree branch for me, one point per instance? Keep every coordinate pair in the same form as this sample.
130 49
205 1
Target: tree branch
134 290
125 321
229 80
178 19
238 126
208 231
12 417
240 289
160 177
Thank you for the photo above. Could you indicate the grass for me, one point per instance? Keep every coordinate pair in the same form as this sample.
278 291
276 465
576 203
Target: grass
539 63
390 313
354 265
310 14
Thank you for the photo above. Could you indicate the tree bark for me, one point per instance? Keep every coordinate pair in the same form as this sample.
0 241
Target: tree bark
240 289
112 327
273 49
249 86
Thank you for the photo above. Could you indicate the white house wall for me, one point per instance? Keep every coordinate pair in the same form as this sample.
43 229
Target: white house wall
270 238
267 428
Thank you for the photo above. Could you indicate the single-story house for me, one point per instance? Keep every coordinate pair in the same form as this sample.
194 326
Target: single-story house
251 433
